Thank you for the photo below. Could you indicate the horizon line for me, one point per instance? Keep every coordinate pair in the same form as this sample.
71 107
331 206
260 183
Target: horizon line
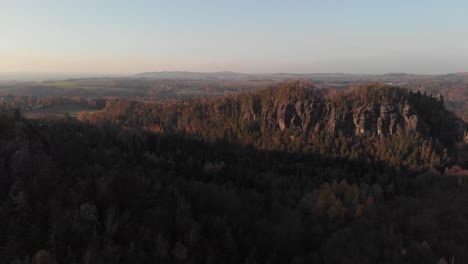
217 72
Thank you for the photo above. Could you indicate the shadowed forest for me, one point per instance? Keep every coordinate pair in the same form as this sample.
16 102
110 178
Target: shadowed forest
290 174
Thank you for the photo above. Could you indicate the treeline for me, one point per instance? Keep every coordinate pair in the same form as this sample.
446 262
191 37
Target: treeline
21 102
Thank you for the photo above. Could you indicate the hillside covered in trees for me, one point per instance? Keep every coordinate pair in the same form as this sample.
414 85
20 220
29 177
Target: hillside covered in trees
285 175
389 124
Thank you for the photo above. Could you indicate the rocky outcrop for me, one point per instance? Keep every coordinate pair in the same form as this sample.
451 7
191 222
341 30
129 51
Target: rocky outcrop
299 115
388 121
365 120
313 115
412 121
337 120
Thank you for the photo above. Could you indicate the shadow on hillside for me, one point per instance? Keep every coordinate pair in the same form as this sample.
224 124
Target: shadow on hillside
135 191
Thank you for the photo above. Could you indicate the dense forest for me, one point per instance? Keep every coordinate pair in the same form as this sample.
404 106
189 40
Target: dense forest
376 122
291 174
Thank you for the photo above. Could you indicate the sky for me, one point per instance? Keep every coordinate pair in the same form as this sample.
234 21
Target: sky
251 36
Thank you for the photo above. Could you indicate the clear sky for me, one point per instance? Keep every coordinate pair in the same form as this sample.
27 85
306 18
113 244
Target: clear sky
253 36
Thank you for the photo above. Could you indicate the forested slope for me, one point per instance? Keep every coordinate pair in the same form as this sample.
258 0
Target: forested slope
286 175
390 124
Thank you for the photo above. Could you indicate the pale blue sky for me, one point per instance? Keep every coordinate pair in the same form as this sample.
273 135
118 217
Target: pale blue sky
351 36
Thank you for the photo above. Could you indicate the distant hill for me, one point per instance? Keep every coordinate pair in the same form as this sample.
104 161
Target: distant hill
193 75
228 75
39 77
222 75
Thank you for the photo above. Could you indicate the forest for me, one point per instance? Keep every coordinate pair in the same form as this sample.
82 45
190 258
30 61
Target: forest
288 174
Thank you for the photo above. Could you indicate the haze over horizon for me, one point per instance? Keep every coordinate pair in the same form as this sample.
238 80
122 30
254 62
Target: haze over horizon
105 37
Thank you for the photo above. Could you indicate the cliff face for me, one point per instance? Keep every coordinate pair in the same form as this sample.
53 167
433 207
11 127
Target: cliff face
373 119
301 115
378 119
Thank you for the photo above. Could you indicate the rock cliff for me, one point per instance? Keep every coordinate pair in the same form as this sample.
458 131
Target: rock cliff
373 110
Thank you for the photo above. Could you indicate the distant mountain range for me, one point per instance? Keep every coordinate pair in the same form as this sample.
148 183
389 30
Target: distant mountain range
223 75
228 75
193 75
38 77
